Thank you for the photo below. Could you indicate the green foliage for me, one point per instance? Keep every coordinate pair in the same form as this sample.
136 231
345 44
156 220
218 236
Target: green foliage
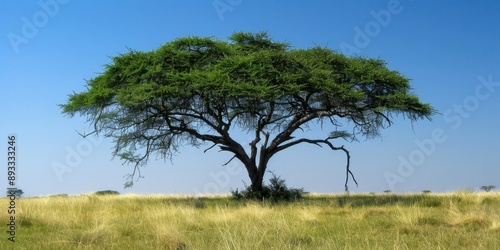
427 191
107 192
197 89
341 134
128 184
276 191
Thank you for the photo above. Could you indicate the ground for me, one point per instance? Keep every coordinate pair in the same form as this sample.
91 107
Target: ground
460 220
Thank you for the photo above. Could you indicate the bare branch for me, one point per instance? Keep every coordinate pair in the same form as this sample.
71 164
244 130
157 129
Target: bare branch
234 156
326 142
215 144
85 135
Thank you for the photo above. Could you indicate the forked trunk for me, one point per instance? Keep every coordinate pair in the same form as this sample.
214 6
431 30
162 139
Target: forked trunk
256 177
256 171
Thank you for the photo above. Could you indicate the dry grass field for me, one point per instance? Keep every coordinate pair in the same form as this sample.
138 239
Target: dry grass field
460 220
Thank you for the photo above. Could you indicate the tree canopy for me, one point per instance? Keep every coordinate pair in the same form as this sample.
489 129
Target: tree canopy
488 188
15 192
194 90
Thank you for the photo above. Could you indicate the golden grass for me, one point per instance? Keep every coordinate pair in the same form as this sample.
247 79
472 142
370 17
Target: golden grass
361 221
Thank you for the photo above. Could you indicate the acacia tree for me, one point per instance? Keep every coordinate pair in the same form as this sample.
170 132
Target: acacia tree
488 188
16 192
196 90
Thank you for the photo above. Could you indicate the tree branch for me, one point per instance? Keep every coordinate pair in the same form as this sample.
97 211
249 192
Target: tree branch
234 156
85 135
326 142
215 144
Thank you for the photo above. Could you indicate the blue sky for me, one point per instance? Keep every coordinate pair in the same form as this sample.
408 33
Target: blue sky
450 49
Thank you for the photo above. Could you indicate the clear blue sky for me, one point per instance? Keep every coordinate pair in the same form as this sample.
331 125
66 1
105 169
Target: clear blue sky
449 48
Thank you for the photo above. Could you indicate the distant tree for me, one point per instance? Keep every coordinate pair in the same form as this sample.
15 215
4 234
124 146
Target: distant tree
426 191
488 188
59 195
17 192
195 90
387 191
107 192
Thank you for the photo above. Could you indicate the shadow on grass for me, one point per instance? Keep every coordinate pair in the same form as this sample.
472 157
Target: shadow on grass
421 200
356 200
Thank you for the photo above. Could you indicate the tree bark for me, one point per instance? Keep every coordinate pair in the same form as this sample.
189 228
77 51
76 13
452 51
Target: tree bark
257 181
256 176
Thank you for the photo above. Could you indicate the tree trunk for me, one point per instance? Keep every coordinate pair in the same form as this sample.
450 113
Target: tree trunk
257 181
256 176
256 171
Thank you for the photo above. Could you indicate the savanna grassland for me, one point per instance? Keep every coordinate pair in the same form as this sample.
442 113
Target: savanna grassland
461 220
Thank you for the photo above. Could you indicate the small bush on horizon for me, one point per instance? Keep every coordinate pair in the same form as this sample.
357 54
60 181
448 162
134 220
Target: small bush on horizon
276 191
107 192
426 191
59 195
